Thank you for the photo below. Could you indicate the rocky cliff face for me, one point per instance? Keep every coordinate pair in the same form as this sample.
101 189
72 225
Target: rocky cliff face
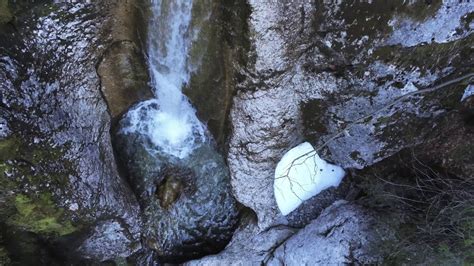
59 178
361 81
220 47
341 76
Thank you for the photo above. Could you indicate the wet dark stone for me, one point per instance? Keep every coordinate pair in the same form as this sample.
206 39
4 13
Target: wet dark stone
187 204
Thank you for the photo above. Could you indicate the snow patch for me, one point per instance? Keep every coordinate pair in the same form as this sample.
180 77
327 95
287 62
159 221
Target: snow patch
302 174
409 87
468 92
440 28
4 129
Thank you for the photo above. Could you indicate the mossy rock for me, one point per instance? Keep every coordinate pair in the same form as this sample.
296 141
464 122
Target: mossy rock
8 148
5 13
38 163
39 214
29 174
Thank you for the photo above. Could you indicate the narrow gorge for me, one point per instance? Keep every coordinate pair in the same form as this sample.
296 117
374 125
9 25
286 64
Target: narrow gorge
246 132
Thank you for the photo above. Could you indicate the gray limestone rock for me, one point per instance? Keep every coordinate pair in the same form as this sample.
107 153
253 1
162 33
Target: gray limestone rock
343 234
249 246
319 74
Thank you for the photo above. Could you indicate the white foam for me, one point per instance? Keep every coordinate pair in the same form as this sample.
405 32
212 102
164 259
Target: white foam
175 135
302 174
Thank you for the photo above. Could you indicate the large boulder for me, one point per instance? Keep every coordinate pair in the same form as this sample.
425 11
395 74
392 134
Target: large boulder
187 204
249 245
124 77
343 233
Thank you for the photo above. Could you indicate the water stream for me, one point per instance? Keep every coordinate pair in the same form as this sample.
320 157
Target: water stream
169 120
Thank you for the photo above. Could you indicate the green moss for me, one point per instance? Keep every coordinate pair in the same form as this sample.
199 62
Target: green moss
45 154
468 243
8 148
5 13
39 214
40 164
5 170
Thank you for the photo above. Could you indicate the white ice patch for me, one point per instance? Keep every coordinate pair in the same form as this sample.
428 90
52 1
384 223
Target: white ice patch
439 28
468 92
409 87
302 174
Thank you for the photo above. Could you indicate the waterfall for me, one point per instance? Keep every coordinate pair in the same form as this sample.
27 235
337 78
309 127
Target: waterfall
169 120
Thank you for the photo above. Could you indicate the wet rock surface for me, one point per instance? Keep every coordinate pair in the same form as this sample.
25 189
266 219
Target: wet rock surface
58 172
123 77
382 89
122 68
221 44
249 246
321 74
342 234
187 204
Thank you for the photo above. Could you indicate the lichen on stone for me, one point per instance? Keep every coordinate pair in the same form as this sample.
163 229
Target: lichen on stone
39 214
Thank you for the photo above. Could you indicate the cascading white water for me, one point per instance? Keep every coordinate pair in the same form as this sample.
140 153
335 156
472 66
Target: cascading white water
173 127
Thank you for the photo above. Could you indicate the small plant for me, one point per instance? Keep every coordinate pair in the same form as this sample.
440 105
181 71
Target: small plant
436 209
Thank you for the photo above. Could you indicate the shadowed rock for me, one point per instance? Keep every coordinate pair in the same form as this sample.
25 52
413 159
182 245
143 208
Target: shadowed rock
187 204
123 76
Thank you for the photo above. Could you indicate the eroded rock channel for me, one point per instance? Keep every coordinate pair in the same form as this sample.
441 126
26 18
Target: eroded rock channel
148 132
